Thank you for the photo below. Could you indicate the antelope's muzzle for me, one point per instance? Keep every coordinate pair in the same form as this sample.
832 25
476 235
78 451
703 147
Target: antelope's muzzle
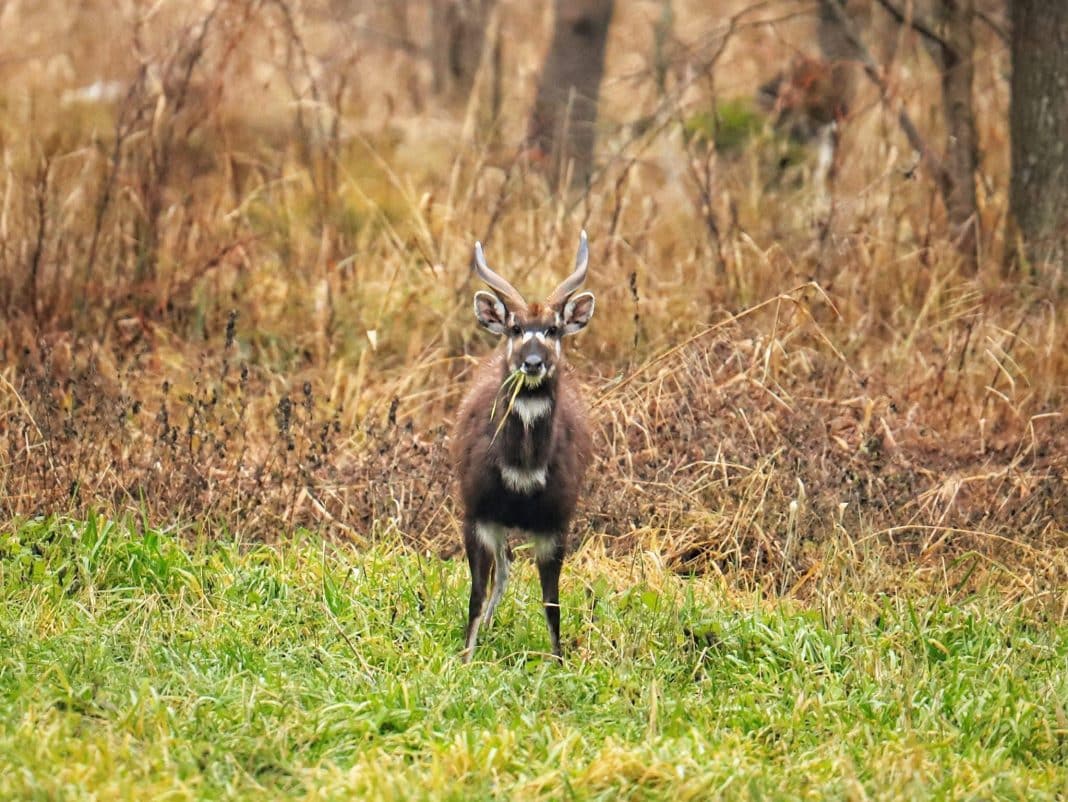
533 365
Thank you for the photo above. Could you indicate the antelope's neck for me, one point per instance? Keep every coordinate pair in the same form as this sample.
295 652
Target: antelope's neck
527 434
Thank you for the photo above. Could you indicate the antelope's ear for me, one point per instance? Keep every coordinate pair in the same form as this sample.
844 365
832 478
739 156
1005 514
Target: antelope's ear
490 312
577 312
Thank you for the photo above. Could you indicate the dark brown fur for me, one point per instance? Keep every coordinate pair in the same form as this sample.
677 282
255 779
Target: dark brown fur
561 441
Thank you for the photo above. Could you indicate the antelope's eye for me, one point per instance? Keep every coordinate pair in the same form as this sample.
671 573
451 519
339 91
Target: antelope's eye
517 330
551 331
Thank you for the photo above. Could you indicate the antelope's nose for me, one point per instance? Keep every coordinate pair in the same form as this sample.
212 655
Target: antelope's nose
532 363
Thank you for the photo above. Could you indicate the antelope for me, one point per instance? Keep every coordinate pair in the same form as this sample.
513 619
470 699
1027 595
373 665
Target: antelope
522 449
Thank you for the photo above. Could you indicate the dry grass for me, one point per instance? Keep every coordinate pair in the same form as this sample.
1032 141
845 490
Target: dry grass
236 293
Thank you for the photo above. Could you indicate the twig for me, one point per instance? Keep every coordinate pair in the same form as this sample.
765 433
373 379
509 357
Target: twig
994 25
918 25
871 69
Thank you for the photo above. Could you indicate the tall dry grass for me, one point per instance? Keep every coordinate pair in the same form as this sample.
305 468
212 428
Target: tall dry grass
234 262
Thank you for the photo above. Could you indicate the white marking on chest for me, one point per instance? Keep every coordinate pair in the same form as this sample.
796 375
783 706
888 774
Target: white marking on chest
523 480
532 409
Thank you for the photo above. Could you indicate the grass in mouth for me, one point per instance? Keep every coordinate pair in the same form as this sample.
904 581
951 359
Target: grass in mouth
512 386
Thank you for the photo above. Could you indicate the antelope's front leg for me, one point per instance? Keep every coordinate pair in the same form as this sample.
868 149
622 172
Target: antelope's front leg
549 554
479 559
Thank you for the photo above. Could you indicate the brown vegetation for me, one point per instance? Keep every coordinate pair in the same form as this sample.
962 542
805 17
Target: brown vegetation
236 291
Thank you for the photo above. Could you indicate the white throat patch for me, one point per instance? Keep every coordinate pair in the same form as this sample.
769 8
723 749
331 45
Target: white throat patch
523 480
531 409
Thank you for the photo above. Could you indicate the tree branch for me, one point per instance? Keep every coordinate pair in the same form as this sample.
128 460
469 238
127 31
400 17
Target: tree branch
871 69
994 25
917 25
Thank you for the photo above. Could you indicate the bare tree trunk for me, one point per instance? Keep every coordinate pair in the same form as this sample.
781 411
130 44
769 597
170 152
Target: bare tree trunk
1038 124
954 56
458 29
840 54
945 27
562 124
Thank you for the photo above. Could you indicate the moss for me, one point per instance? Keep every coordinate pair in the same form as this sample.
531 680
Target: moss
731 125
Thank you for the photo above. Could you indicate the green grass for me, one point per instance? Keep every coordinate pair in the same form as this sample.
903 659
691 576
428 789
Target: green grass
136 664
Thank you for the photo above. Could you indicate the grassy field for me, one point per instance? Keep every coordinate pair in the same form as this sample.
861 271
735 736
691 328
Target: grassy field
137 664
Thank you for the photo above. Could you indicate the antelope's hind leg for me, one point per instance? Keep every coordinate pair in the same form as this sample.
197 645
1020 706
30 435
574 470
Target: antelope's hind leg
479 560
549 553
